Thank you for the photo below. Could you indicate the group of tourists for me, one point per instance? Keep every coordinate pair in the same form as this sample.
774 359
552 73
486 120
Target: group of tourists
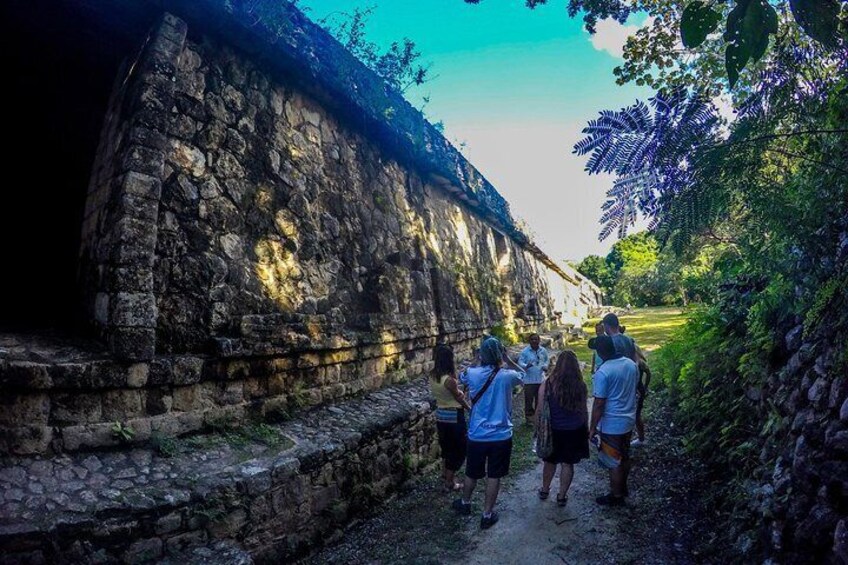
555 404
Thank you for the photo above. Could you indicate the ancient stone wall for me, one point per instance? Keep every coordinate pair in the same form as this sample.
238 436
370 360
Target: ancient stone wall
119 226
274 502
248 252
804 499
281 224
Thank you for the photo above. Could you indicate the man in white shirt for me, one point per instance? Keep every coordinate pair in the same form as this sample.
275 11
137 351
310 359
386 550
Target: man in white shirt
613 416
534 359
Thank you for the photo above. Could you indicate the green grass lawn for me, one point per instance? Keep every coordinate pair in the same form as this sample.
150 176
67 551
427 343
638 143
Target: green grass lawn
650 327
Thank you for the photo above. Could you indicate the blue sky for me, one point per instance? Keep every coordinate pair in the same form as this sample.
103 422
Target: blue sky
517 86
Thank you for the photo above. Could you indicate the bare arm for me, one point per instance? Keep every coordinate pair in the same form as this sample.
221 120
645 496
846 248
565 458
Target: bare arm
510 363
598 405
452 387
647 370
540 398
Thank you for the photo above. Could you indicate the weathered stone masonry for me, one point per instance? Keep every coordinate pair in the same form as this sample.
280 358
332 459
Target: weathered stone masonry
267 229
247 252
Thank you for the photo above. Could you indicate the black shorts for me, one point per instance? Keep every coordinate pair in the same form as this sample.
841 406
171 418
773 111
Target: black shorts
488 459
452 441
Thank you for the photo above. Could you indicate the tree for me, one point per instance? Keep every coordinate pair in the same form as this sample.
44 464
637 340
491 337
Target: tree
399 65
595 268
653 55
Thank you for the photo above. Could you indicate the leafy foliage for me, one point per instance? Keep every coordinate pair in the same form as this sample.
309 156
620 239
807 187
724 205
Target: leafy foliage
653 57
698 21
399 65
749 25
637 272
649 152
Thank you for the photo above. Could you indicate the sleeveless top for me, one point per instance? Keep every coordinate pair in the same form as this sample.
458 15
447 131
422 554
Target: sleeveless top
444 398
446 404
562 419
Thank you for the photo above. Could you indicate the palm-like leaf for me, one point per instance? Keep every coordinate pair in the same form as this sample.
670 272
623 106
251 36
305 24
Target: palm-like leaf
649 148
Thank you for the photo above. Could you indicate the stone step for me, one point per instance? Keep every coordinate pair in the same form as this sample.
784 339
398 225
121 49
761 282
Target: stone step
272 490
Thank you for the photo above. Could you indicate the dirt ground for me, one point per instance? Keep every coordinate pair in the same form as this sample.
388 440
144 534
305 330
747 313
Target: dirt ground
660 524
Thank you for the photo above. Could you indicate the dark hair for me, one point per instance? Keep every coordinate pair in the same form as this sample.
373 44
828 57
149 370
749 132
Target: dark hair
605 347
566 382
610 320
443 361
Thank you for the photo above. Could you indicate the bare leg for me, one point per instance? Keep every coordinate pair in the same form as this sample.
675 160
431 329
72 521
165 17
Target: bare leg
449 478
548 471
566 474
640 427
468 488
492 488
618 480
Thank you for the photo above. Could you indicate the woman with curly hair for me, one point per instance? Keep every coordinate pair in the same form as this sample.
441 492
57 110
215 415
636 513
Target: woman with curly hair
567 395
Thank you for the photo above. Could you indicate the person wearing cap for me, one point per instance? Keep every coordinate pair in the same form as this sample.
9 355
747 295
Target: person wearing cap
614 416
489 446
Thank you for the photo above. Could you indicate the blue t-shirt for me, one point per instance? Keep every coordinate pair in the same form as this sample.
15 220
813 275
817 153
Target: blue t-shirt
534 364
491 417
616 381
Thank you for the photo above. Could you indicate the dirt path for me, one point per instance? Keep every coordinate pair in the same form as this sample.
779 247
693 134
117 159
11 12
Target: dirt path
531 530
662 522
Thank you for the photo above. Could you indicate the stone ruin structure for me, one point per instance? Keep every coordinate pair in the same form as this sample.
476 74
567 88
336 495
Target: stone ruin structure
249 227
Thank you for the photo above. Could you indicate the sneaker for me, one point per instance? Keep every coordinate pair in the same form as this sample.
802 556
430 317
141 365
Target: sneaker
462 507
610 500
486 523
636 442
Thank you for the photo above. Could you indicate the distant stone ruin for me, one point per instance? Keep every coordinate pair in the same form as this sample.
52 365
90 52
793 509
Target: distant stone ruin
267 228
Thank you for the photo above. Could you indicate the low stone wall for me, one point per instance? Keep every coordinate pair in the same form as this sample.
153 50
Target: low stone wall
804 499
136 506
56 404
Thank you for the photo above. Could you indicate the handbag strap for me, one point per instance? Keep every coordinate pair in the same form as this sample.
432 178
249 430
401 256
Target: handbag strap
488 383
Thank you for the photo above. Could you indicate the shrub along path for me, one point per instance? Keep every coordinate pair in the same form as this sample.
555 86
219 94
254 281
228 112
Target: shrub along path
656 527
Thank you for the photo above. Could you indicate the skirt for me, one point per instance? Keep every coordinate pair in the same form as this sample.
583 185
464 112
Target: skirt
570 446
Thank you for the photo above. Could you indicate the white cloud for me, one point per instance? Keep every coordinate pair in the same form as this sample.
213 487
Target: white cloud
610 36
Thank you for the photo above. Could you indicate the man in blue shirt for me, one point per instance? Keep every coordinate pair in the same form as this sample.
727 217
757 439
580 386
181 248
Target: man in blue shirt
534 359
489 426
613 416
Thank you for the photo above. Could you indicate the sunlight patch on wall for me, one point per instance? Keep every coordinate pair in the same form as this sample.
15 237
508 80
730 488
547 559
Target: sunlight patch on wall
279 273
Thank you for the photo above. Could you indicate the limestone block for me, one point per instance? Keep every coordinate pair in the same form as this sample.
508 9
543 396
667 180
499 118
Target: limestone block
169 523
25 439
26 374
135 310
180 543
187 369
144 160
76 408
187 158
24 409
122 405
227 166
143 551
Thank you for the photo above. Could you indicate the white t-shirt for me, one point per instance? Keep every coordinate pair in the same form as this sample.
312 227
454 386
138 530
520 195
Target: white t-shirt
616 381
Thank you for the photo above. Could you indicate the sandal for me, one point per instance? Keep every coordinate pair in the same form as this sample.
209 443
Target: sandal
561 502
543 494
